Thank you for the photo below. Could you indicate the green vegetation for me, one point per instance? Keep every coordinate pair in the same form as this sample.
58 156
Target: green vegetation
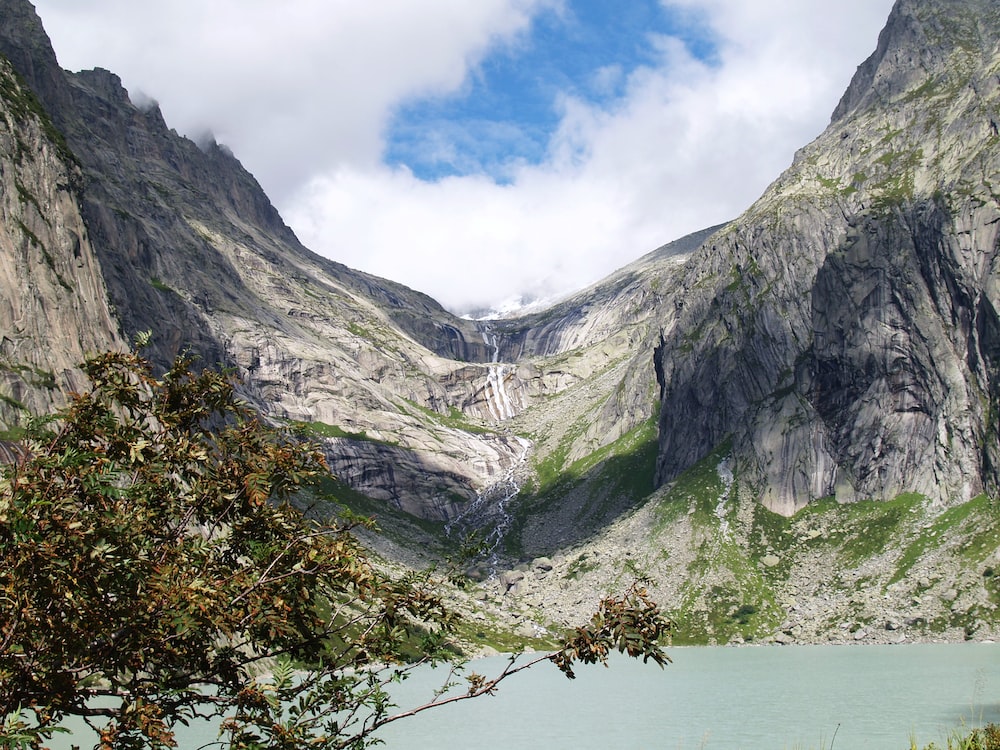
867 528
739 558
12 402
829 183
328 496
24 106
833 184
628 462
46 255
746 280
159 285
740 605
987 738
696 490
323 430
360 331
692 337
498 636
580 567
28 198
896 186
611 480
720 614
454 419
729 594
33 239
975 521
35 376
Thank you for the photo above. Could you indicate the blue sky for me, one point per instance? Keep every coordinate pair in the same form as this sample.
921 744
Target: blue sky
511 103
490 152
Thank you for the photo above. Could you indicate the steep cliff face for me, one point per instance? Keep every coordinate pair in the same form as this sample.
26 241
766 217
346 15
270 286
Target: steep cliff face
842 332
414 404
54 307
840 339
841 336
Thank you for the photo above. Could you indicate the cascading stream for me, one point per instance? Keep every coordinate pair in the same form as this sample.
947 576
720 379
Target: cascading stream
498 400
726 475
488 512
487 515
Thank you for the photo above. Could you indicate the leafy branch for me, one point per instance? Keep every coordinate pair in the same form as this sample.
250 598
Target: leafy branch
151 557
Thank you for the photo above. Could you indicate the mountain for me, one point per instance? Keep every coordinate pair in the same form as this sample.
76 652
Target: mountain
413 403
54 306
843 332
190 248
787 423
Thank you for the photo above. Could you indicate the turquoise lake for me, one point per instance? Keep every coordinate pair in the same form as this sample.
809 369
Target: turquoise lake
753 698
714 698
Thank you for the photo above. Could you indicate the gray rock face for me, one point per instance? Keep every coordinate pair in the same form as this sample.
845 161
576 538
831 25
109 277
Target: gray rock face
415 405
842 333
52 282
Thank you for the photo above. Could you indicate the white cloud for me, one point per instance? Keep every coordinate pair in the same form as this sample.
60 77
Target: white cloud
466 238
689 146
302 92
294 87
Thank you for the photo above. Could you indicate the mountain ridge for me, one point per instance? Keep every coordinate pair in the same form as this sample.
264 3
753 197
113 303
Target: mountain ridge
403 393
831 227
733 414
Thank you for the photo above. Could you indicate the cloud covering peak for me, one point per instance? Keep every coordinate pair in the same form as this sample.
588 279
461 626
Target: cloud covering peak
486 151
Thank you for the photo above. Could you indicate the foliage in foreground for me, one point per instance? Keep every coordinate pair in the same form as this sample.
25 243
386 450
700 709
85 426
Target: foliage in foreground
153 571
987 738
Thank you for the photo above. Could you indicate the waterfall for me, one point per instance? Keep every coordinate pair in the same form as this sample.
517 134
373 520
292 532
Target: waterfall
726 475
488 513
498 401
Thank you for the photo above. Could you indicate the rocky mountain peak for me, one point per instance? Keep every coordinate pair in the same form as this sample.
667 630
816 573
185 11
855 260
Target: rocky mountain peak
24 42
835 332
839 337
920 42
839 340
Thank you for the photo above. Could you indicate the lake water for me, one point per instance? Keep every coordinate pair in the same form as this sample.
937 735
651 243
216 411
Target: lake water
753 698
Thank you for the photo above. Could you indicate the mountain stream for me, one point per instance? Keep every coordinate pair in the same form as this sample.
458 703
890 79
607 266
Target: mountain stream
487 517
498 400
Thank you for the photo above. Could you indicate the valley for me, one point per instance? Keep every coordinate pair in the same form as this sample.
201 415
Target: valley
787 423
